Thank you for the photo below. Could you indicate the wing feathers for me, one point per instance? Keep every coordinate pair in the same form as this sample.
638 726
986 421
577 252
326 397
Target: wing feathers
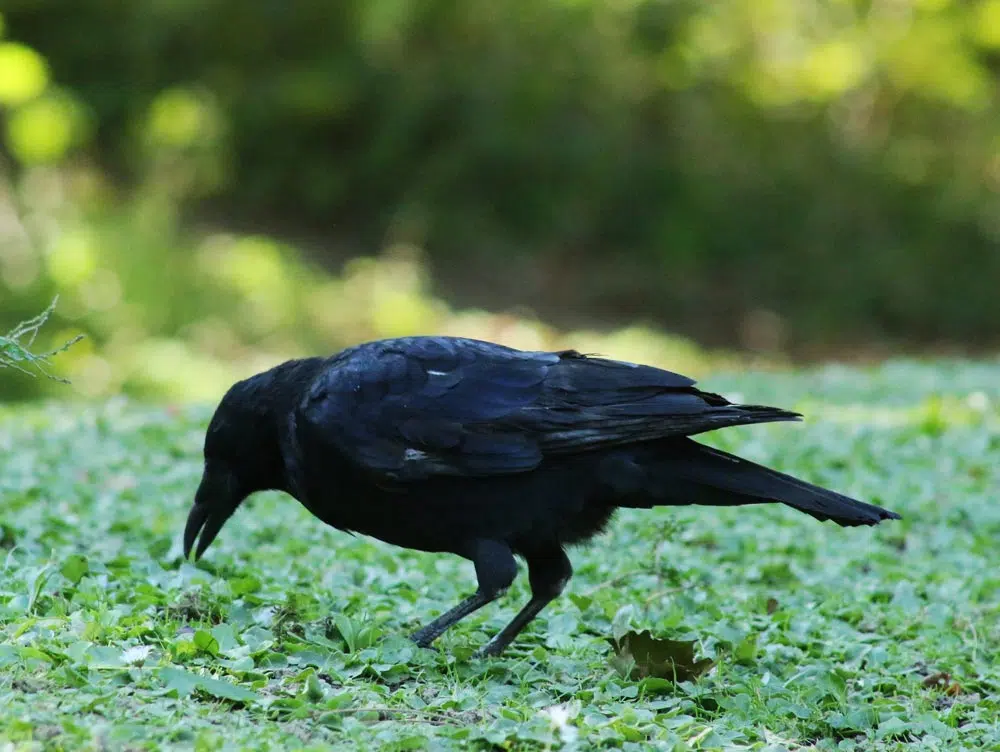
417 407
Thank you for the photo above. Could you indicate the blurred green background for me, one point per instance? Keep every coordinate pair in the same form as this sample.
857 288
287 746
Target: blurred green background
212 186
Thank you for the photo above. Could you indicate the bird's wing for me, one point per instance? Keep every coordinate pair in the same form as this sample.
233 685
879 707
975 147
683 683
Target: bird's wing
591 403
417 407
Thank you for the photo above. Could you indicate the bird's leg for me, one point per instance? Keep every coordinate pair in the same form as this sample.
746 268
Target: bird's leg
427 634
495 571
548 571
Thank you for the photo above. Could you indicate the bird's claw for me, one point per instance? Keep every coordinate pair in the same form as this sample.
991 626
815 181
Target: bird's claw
421 642
487 651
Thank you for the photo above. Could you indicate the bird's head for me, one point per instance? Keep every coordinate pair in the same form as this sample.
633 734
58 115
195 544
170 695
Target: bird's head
242 456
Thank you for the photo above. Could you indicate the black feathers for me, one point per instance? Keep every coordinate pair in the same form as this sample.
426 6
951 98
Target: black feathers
446 444
418 407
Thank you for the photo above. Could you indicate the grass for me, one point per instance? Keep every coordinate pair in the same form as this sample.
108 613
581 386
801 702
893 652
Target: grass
290 635
15 346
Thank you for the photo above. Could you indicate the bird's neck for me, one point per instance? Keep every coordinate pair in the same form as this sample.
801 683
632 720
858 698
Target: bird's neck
272 398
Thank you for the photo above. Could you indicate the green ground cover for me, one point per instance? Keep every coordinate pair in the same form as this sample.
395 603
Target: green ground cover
292 635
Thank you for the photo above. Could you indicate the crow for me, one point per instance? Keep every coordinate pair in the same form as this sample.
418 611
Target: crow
446 444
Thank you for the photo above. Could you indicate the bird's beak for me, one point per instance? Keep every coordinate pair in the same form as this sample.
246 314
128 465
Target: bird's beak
214 503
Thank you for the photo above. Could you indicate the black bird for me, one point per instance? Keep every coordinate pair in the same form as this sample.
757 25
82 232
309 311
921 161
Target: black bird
455 445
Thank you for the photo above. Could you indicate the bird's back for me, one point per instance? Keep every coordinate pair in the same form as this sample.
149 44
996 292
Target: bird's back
419 407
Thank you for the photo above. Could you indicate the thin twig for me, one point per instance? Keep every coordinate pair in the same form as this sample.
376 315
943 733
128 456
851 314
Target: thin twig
620 578
669 591
385 710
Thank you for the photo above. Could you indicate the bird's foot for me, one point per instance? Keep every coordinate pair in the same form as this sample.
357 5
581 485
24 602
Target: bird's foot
423 641
489 650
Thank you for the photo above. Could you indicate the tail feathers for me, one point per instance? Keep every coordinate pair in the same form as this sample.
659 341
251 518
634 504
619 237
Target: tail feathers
740 415
691 473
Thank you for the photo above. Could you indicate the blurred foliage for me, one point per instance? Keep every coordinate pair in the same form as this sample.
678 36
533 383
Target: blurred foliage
774 174
182 315
177 313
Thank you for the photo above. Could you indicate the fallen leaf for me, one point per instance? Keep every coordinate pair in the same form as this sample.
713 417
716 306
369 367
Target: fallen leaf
940 679
639 655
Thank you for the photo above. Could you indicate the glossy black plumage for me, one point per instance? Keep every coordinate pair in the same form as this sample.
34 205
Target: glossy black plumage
456 445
